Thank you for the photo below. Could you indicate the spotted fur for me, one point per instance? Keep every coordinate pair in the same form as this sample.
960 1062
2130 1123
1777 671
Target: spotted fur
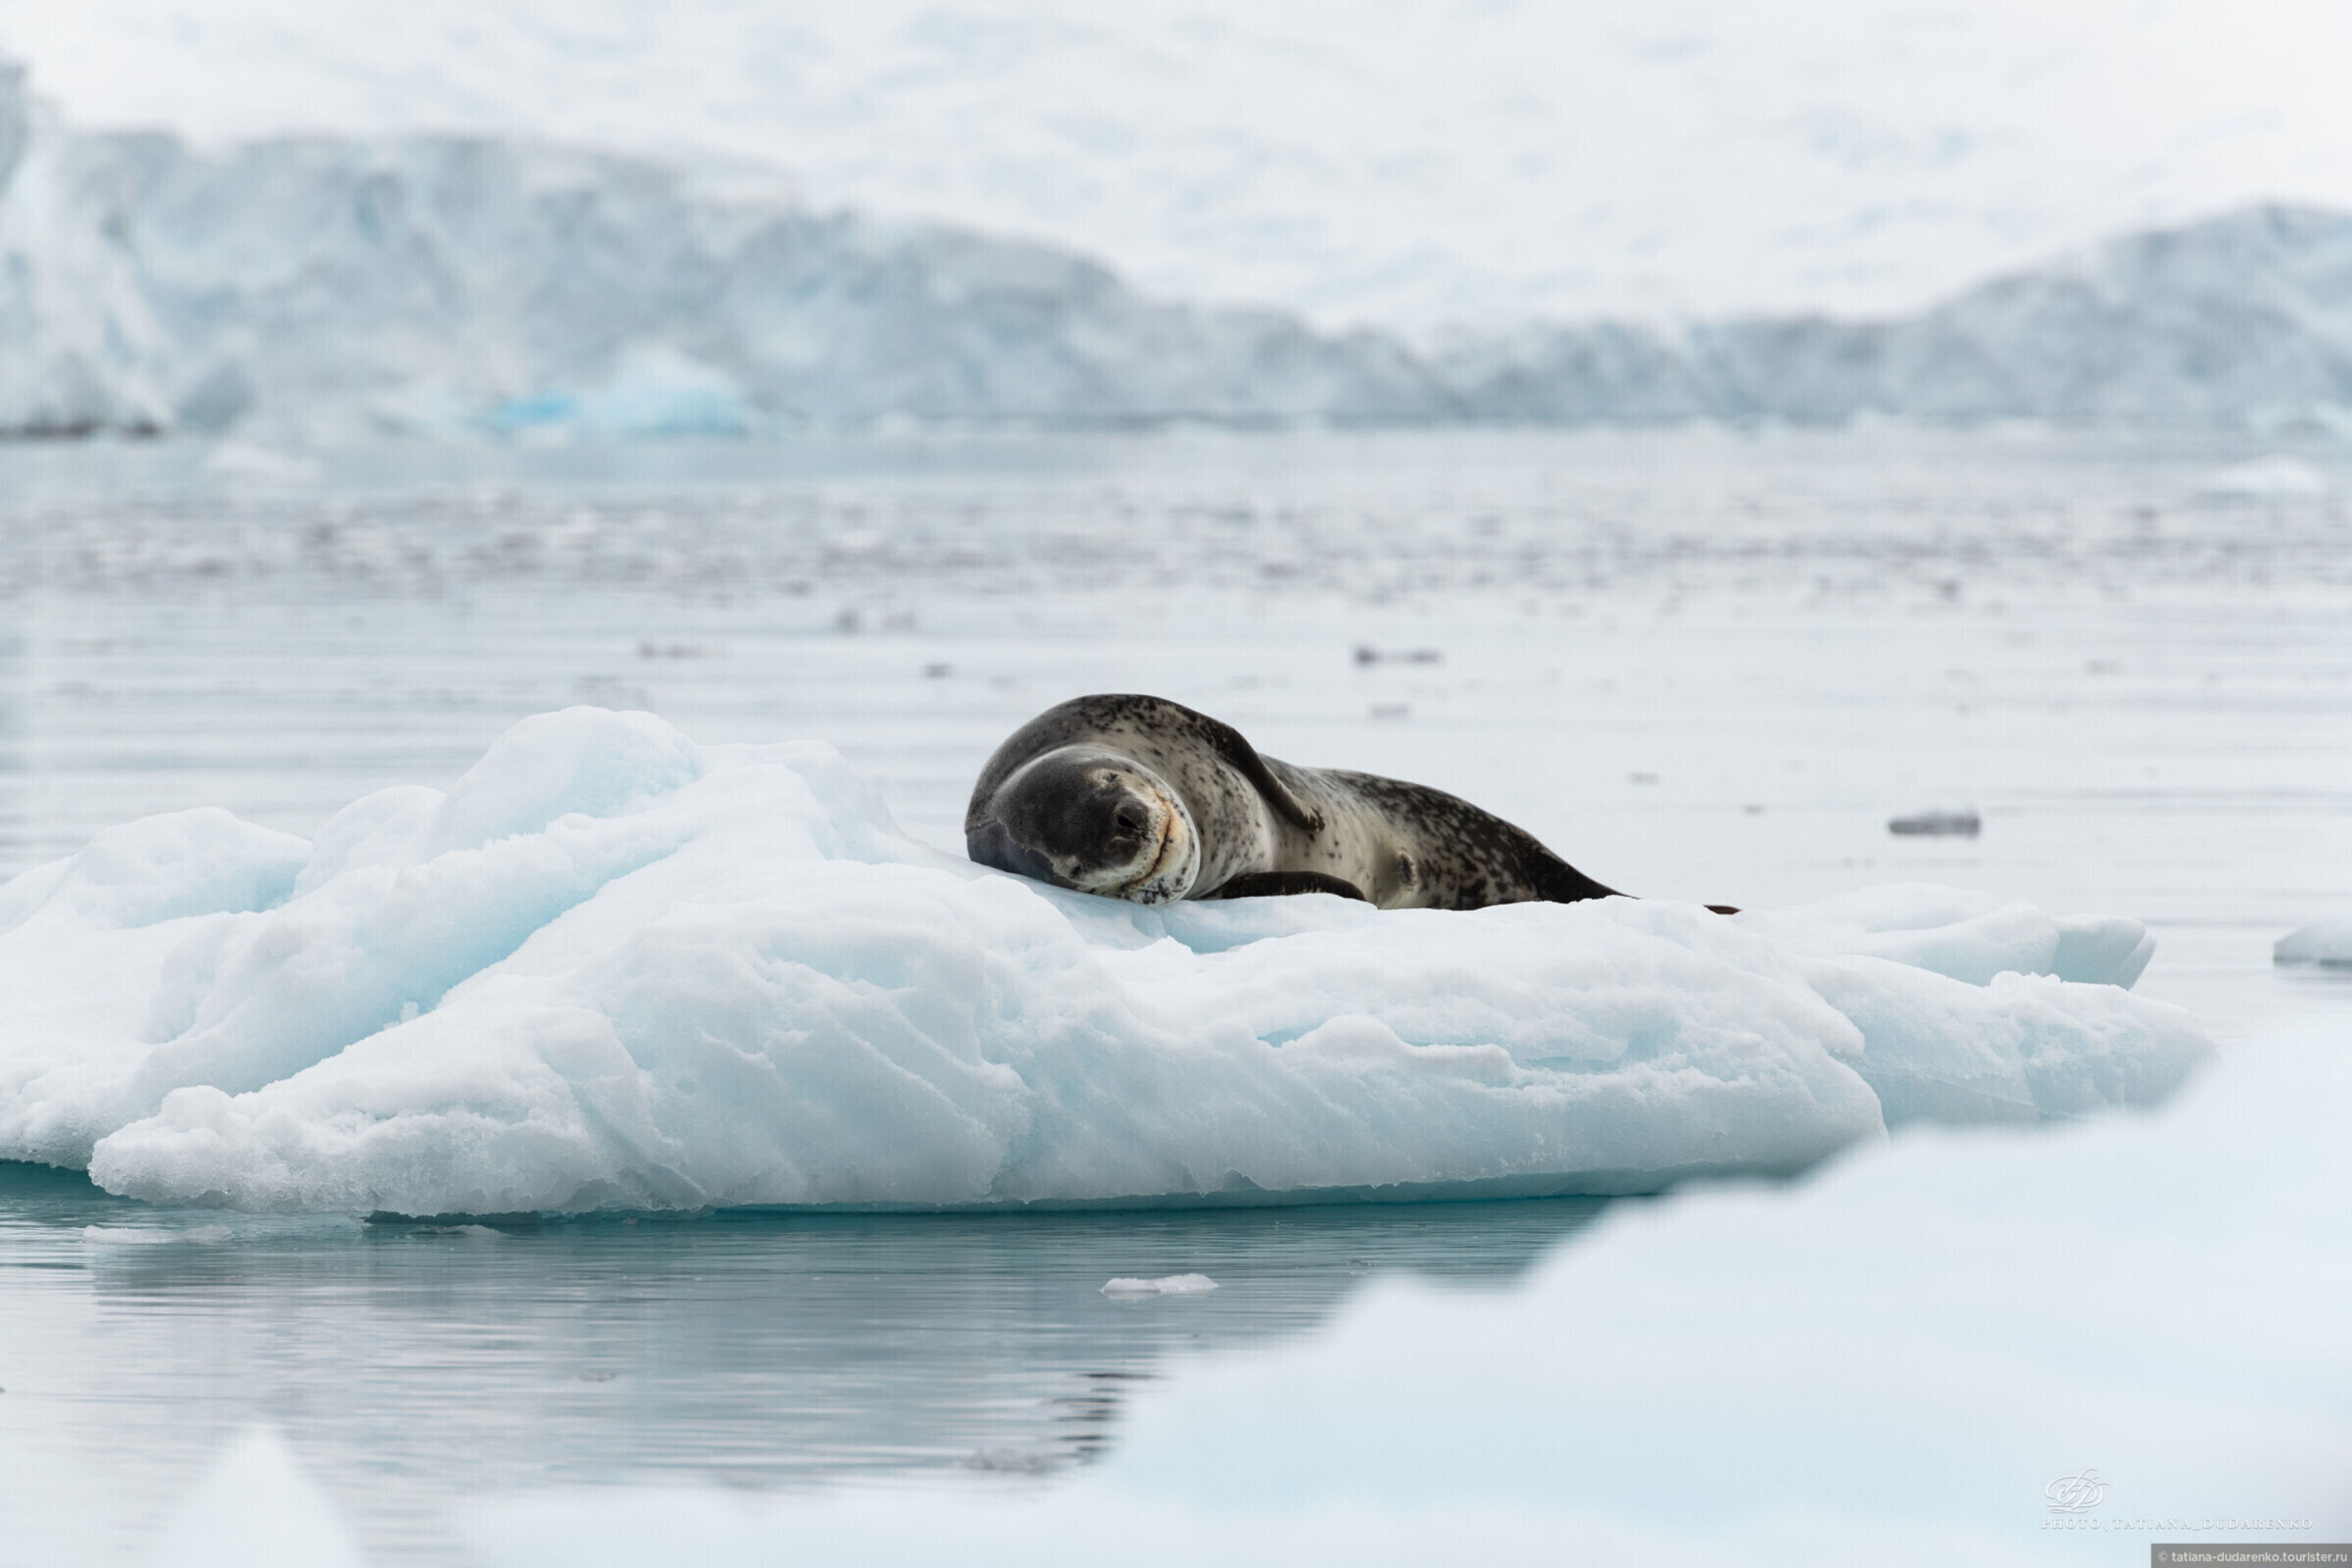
1141 798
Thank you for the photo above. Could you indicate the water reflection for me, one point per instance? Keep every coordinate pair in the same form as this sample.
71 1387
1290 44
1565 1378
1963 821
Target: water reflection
414 1365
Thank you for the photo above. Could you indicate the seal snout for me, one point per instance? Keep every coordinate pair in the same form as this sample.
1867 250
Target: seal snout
1087 818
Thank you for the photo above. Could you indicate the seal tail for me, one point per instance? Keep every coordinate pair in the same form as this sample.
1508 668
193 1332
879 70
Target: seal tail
1556 882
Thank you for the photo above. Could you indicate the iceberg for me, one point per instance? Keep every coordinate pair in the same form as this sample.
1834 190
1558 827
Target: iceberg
611 969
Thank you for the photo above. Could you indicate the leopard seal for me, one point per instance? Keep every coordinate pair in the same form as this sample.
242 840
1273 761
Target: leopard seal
1144 799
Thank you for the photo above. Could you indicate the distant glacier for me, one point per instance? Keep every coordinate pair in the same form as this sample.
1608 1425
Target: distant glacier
333 288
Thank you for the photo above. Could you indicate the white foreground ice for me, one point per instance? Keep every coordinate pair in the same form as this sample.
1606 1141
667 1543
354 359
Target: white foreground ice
610 968
1899 1360
1892 1362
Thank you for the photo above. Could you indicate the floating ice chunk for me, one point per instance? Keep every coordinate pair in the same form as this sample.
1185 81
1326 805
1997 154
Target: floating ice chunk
2276 476
1936 824
255 1508
2322 942
2023 1047
242 462
654 390
611 969
151 1236
160 869
479 1231
1966 935
1172 1285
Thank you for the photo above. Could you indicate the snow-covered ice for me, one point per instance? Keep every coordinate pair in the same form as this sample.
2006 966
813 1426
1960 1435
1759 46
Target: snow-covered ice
611 968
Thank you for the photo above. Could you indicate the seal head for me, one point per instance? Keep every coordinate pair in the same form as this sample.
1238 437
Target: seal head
1088 817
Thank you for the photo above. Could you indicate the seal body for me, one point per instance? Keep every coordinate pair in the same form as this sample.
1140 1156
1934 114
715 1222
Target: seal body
1141 798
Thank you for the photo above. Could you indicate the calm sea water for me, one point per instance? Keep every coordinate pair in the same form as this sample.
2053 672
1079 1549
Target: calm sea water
1699 664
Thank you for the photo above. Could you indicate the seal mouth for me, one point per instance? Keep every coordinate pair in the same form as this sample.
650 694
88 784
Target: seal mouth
1174 862
1159 857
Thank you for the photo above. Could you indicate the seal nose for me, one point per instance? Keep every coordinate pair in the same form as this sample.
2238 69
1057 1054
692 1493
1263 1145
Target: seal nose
1132 817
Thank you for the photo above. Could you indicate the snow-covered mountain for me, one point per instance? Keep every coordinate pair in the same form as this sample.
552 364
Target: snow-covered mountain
2245 319
1408 165
434 283
339 287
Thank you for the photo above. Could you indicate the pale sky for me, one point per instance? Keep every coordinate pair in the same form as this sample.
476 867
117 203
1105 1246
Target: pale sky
1410 163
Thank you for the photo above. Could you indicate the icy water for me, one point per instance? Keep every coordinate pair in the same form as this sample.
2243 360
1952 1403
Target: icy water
413 1366
1701 665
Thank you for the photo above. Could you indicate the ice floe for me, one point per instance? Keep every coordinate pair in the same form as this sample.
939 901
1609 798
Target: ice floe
613 969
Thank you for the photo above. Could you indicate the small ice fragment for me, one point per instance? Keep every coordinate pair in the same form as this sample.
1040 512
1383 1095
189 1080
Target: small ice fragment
150 1236
1173 1285
2264 478
1010 1460
1936 824
2322 942
239 461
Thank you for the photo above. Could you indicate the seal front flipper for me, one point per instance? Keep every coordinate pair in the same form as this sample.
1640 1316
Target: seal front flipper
1277 884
